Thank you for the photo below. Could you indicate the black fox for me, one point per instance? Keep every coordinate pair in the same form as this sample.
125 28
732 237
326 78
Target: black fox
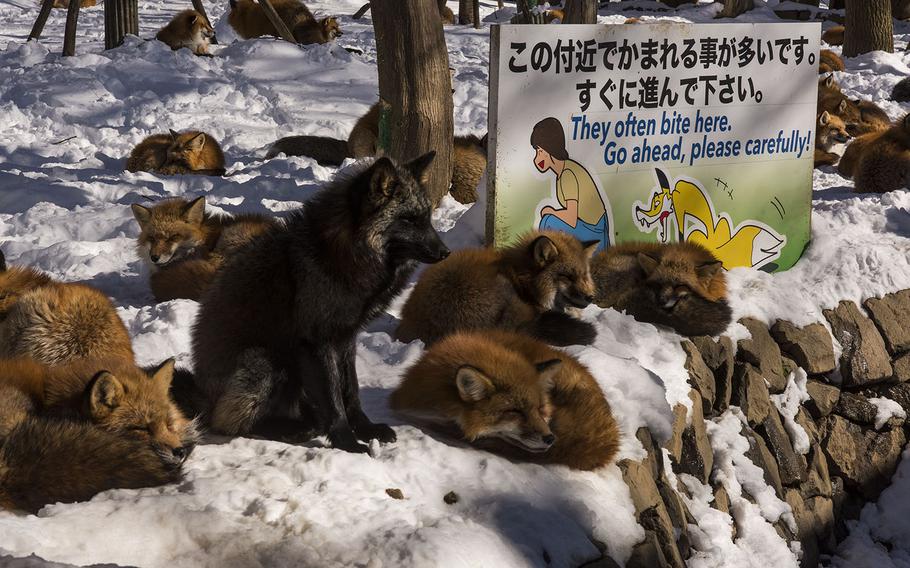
274 342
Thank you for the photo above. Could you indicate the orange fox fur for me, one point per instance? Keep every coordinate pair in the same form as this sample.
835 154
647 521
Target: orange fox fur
884 163
510 393
249 21
188 29
830 137
190 152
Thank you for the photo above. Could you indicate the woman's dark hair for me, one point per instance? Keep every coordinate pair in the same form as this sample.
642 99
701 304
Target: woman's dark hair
548 134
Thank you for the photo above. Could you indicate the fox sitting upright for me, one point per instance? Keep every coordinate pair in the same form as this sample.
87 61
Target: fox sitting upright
514 395
184 246
274 341
249 21
190 152
188 29
680 285
524 287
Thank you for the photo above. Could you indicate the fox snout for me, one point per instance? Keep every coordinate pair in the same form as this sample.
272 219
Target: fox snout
575 298
433 251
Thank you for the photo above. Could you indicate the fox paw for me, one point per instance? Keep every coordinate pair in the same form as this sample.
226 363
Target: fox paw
369 431
345 440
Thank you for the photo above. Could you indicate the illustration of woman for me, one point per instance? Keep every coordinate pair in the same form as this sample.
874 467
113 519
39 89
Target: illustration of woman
583 212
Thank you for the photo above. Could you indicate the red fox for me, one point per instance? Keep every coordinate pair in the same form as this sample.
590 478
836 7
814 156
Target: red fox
249 21
884 162
860 117
45 461
54 322
184 247
514 395
188 29
830 139
846 166
828 61
190 152
524 287
82 4
680 285
470 161
834 35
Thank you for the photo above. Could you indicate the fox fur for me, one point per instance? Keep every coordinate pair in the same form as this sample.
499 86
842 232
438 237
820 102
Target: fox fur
249 21
470 162
54 322
114 394
47 460
834 35
523 287
901 91
184 246
884 162
190 152
274 359
326 151
364 135
831 138
514 395
860 117
187 29
679 285
828 61
82 4
846 166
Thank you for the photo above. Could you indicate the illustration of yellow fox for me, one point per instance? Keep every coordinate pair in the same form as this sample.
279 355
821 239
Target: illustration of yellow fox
751 244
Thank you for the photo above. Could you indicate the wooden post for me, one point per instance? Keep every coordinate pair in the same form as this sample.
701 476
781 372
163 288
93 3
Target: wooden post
580 12
121 17
868 27
413 64
69 34
276 20
477 14
46 8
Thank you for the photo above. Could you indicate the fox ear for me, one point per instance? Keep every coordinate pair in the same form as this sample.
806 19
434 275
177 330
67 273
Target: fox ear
174 134
472 384
590 247
647 262
142 214
709 269
195 19
105 395
196 142
830 82
164 374
544 250
194 212
419 166
384 178
824 119
547 371
842 106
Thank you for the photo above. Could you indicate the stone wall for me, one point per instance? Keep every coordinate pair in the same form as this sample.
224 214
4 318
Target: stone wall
849 461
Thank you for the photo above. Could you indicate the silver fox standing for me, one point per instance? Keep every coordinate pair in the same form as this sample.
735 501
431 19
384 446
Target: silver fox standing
274 342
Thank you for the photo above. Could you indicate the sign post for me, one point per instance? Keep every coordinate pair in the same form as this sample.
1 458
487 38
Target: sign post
661 132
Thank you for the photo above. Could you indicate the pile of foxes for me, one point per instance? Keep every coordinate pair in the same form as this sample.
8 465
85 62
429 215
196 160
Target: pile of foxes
271 361
856 135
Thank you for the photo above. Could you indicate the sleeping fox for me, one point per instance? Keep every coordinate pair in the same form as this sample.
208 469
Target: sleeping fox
190 152
188 29
513 395
680 285
249 21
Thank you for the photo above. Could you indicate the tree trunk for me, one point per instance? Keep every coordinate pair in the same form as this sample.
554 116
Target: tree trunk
868 27
476 9
525 8
465 14
415 91
46 7
121 17
69 33
733 8
580 12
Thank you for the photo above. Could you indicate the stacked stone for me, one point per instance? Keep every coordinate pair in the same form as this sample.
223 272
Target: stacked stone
849 461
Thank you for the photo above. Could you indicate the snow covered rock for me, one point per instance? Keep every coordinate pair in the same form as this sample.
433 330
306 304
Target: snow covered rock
810 347
864 359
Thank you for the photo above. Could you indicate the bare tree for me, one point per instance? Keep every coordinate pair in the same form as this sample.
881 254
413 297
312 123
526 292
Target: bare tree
733 8
868 27
580 12
465 12
415 93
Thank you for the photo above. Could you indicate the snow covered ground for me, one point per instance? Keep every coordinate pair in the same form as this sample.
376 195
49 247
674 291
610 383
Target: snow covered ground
67 123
